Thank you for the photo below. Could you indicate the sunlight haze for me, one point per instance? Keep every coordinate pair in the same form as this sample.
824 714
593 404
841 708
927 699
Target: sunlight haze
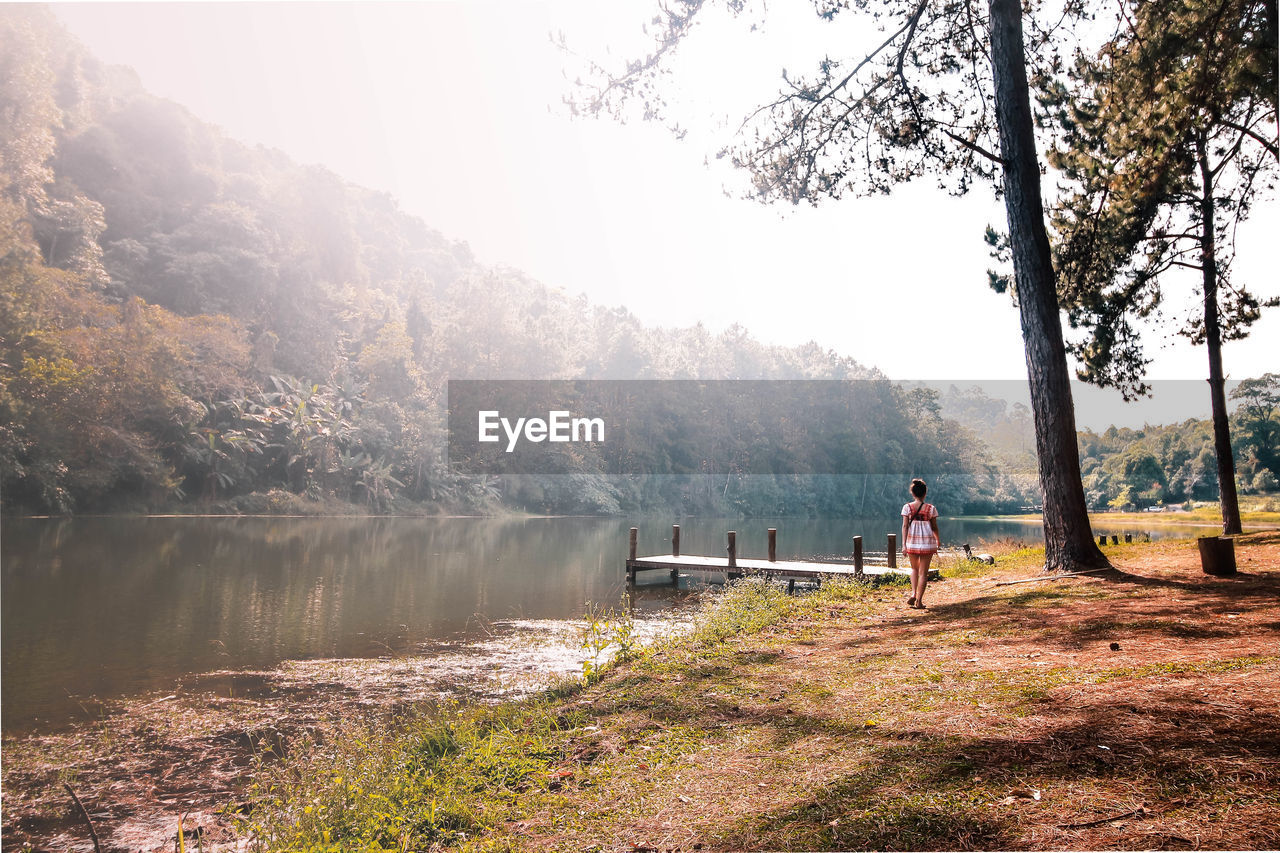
456 111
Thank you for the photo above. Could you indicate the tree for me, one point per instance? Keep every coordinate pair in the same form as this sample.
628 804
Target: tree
1259 418
1170 133
28 109
945 90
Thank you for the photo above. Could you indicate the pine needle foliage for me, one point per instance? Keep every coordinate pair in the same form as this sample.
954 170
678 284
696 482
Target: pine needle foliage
1169 136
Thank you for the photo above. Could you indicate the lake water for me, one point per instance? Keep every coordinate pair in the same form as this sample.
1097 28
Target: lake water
110 607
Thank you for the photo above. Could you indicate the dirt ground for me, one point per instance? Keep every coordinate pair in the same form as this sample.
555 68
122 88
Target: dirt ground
1135 709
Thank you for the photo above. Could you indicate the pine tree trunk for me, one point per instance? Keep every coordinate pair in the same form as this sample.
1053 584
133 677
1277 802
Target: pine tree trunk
1068 539
1213 341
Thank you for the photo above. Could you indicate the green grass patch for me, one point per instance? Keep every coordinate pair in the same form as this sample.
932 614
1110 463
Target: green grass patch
1009 689
1170 627
435 780
1049 594
745 607
1184 668
751 606
1023 554
895 799
1255 511
965 569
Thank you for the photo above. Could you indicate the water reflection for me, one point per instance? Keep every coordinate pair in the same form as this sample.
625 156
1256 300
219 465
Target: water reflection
114 606
117 606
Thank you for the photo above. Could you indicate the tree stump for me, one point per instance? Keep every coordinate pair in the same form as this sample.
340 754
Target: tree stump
1217 555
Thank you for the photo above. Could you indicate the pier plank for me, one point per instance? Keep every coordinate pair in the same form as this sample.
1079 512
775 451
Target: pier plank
739 565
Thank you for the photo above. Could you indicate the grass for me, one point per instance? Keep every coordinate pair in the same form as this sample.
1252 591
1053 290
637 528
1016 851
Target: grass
1255 513
1252 512
428 781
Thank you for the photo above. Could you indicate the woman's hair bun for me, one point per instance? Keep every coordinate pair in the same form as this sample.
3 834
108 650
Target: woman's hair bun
918 488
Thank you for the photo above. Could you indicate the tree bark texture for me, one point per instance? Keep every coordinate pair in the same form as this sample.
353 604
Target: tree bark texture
1068 538
1213 342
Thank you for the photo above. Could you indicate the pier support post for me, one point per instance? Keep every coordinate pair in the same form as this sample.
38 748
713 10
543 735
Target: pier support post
893 550
857 555
1128 537
1115 540
773 545
733 555
1102 540
631 558
675 552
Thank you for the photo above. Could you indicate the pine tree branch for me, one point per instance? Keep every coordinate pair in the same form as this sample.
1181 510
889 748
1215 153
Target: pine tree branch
1270 146
973 146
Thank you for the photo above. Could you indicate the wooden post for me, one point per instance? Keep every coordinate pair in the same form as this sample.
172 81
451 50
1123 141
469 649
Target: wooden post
791 586
675 540
1115 540
1128 537
733 549
857 554
893 550
773 544
1102 540
631 568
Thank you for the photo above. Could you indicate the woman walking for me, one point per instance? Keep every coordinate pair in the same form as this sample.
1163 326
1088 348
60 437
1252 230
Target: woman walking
920 540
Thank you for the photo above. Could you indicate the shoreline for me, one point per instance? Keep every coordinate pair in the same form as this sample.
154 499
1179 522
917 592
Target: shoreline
1258 520
937 706
196 743
1264 520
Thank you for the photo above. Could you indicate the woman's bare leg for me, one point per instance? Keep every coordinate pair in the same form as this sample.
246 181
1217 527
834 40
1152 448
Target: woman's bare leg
916 589
925 560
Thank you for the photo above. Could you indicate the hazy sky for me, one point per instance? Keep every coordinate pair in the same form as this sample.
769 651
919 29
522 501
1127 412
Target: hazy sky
456 110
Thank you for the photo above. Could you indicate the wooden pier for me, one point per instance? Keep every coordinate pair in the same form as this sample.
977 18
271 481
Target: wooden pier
735 567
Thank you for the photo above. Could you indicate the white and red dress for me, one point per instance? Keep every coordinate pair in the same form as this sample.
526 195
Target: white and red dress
920 537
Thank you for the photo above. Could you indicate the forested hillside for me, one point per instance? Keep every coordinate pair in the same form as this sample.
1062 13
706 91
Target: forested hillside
189 321
1175 463
1127 468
